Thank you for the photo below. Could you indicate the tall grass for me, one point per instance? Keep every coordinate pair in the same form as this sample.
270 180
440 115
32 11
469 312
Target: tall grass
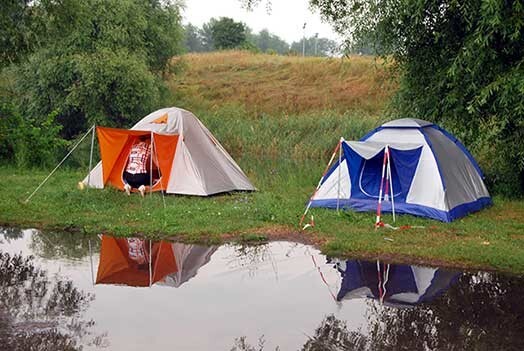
282 84
302 137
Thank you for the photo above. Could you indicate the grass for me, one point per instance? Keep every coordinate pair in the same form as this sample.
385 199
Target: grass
280 118
490 239
280 85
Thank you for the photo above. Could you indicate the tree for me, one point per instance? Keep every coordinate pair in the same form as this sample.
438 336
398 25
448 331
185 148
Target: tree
193 39
315 46
97 61
267 42
53 307
227 34
206 33
17 36
461 63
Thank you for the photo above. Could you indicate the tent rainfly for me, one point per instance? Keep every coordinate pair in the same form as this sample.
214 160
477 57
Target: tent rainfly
431 173
189 159
134 262
394 285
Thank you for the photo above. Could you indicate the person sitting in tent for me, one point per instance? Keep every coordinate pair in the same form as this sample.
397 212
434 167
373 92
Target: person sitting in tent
136 174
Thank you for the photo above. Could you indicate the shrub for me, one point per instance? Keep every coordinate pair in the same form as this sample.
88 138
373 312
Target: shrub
29 143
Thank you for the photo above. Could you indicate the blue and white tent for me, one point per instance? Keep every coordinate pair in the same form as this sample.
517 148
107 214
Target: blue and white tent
394 285
433 175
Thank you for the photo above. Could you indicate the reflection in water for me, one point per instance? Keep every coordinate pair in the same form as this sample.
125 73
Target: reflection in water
396 285
38 312
274 290
138 262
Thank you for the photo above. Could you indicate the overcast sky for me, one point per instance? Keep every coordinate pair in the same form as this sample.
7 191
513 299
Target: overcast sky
285 19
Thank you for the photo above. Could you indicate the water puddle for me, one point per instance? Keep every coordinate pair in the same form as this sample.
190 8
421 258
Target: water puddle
67 292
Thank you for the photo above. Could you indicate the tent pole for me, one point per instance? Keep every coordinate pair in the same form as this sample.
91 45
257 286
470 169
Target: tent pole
379 206
319 183
91 157
391 187
59 164
339 162
150 259
91 260
153 145
151 168
154 154
379 274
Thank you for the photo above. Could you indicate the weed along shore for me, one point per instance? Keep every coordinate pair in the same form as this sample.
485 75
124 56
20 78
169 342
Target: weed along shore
282 142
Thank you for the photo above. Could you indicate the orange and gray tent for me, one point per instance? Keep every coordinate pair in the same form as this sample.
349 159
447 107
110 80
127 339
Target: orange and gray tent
189 160
134 262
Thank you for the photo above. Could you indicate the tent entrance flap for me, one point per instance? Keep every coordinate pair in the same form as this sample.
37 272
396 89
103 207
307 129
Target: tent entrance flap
115 146
367 169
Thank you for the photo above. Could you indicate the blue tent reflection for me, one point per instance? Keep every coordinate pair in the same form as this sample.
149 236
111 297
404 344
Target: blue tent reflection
392 284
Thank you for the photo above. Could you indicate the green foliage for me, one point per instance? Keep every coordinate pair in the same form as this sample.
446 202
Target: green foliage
227 34
97 61
315 46
192 39
104 87
462 65
29 143
16 30
268 42
230 34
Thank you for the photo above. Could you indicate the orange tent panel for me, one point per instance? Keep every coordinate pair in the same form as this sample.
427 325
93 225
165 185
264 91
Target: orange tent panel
161 120
115 145
117 267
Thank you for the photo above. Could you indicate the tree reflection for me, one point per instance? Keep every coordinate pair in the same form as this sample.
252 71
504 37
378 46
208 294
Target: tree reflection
52 245
11 233
251 258
333 334
482 311
39 313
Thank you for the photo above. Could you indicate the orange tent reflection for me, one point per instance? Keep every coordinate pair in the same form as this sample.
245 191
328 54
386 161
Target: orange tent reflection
134 262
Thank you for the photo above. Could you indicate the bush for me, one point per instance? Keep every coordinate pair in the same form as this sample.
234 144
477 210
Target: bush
29 143
93 61
107 87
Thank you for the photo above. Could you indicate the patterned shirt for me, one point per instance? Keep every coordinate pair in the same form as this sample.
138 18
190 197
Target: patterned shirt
138 158
136 250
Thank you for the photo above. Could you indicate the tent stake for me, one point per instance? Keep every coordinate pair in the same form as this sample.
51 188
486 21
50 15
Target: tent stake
57 166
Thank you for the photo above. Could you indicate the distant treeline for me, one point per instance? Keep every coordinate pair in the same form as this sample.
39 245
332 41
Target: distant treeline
226 33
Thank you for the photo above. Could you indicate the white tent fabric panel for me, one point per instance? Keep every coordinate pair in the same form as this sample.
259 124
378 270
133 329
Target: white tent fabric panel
427 169
184 178
407 122
369 149
330 188
463 182
427 173
95 179
398 135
